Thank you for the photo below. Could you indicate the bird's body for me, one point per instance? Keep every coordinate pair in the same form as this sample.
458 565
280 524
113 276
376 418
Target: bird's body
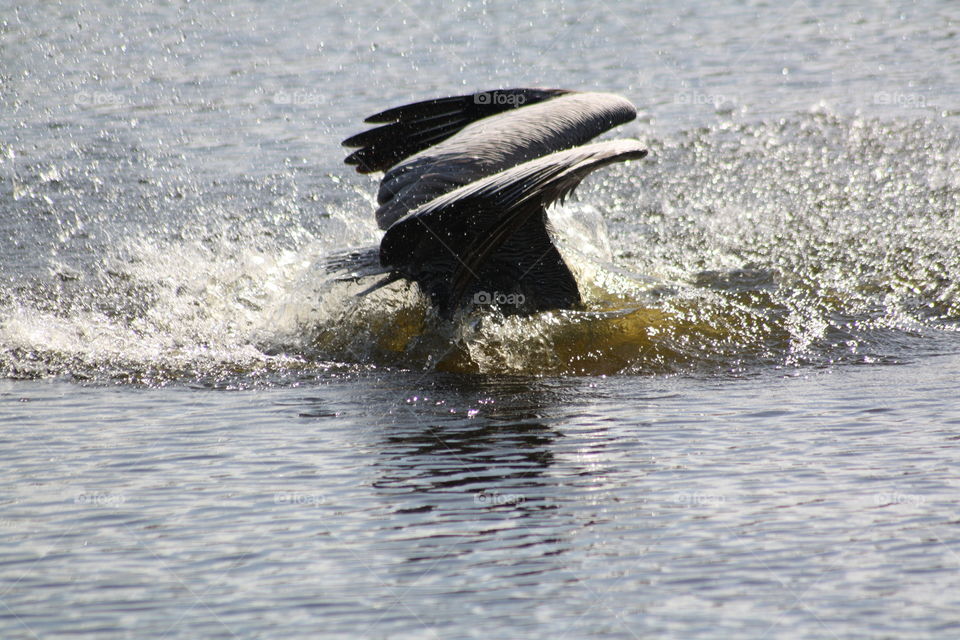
467 183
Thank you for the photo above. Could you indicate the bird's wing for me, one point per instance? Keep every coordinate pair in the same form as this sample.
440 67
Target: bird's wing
471 144
414 127
460 230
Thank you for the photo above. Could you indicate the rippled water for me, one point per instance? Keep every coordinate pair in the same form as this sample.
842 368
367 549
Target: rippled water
749 431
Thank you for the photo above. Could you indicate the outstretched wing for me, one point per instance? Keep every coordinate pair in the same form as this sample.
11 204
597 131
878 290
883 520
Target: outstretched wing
414 127
466 144
455 240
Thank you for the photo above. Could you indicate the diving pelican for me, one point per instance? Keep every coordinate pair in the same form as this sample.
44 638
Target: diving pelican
466 186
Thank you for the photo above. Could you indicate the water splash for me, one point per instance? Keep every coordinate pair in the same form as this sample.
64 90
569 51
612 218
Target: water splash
814 240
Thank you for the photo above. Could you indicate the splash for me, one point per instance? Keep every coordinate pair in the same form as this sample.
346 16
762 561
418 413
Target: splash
809 241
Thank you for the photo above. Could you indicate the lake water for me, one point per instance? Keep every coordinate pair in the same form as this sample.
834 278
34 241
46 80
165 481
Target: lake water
752 429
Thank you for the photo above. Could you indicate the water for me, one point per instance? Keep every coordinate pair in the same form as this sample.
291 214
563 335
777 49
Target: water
750 430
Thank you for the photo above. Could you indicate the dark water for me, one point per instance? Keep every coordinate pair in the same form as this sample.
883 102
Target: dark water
751 430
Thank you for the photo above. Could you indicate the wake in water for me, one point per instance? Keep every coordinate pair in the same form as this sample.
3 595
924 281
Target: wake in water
812 241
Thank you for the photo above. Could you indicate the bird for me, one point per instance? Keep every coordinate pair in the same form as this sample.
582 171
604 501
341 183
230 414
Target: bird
467 181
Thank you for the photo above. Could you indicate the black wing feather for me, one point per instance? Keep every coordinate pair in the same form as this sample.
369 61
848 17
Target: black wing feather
449 244
404 128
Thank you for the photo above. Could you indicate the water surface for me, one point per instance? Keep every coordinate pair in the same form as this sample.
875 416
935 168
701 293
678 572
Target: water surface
749 431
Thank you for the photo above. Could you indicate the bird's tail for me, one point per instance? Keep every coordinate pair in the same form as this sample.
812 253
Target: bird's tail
353 265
